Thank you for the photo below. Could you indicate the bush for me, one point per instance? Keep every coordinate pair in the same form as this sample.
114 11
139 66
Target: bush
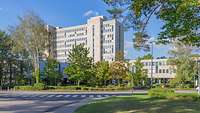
161 92
39 86
24 88
188 96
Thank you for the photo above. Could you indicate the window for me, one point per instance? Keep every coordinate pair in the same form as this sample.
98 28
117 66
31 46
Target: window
167 71
160 71
163 70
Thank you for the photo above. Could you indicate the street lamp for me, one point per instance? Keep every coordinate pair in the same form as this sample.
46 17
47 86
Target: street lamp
151 81
198 71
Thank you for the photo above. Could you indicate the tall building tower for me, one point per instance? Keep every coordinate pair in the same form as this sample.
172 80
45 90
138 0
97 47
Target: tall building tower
104 38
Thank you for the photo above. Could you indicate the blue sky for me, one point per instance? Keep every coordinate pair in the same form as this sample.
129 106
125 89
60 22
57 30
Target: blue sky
71 12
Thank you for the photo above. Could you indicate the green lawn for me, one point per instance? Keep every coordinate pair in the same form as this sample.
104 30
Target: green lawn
141 104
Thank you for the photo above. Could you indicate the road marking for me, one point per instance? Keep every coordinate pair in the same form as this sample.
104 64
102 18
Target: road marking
33 96
42 96
91 96
67 96
24 96
75 96
106 95
83 96
50 96
59 95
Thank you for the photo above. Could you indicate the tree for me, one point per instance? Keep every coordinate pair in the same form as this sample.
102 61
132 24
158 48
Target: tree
6 57
51 71
119 56
80 64
147 56
181 20
102 72
139 76
184 63
118 71
31 36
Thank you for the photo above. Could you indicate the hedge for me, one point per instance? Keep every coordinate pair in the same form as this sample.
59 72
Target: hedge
38 86
161 92
69 88
170 94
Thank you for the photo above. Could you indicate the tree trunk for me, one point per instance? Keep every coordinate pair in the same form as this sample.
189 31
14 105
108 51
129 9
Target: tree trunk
10 77
78 83
118 82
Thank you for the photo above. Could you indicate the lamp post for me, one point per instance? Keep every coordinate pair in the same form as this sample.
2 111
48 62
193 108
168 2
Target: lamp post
132 69
151 81
198 71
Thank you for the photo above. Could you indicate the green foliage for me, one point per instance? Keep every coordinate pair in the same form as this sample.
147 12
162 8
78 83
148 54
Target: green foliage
37 86
101 72
80 64
181 20
69 88
186 96
140 75
186 68
51 71
147 57
37 76
118 71
31 37
5 54
161 92
170 94
119 56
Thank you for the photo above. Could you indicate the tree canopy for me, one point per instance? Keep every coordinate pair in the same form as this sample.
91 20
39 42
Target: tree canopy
181 19
31 36
79 64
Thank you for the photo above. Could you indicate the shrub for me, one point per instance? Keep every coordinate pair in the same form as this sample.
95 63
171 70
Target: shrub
161 92
39 86
24 88
189 96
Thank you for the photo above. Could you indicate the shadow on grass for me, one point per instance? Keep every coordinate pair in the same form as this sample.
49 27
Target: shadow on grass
141 105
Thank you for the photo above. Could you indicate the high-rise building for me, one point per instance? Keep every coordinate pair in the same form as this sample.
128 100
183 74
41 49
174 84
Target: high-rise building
104 38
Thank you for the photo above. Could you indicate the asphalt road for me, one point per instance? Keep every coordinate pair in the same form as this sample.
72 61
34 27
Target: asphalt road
54 102
51 102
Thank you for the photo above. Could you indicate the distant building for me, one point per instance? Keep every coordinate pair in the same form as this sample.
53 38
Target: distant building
160 70
103 38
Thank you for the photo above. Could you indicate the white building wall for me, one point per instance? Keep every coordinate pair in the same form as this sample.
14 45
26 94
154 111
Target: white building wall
102 37
160 68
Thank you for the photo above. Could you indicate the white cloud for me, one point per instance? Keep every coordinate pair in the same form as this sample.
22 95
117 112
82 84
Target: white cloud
91 13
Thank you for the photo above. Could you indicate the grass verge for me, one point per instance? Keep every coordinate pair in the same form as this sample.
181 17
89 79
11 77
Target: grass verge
141 104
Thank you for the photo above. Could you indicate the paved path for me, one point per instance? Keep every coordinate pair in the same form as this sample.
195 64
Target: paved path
50 102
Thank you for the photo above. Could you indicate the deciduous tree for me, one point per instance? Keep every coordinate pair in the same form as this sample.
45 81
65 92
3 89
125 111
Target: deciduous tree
31 36
79 64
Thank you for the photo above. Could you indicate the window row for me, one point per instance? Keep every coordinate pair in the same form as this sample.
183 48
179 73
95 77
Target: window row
75 34
154 63
78 39
75 30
